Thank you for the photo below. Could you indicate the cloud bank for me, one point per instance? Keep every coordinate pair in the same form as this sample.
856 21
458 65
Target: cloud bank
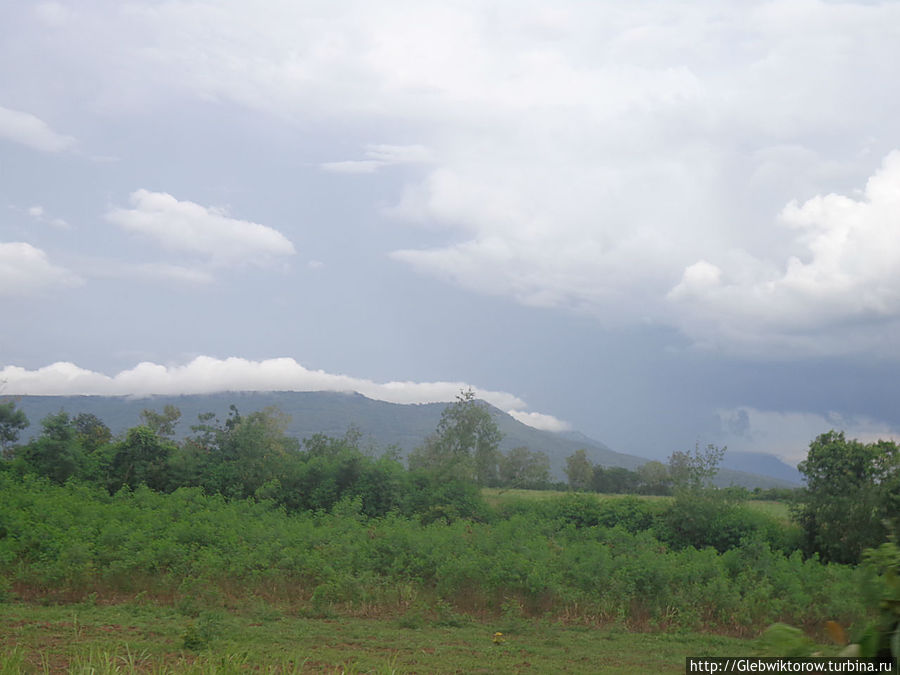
843 278
204 375
628 160
184 226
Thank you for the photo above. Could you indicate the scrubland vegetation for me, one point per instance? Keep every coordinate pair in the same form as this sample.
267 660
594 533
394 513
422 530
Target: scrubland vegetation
240 526
574 557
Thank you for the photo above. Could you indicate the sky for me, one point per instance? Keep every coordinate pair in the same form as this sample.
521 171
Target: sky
657 223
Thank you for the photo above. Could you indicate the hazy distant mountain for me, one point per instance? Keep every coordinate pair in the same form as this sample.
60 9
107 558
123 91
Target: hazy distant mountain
768 465
382 424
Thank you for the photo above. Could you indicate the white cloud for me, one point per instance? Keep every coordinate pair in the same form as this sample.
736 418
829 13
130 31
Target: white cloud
787 434
843 277
583 156
188 227
26 129
697 279
540 420
25 269
378 156
205 374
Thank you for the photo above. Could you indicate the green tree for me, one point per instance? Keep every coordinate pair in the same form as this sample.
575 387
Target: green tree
655 479
520 467
162 423
194 459
614 480
92 432
142 457
700 515
237 457
330 470
694 471
255 448
96 443
465 444
579 470
12 422
57 453
852 488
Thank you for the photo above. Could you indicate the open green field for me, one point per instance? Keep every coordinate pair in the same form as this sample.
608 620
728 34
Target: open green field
146 638
143 581
499 496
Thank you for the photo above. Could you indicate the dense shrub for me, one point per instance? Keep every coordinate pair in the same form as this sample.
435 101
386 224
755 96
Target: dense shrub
702 518
631 513
434 499
76 539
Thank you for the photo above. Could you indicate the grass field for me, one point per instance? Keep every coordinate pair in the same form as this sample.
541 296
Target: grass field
140 638
498 496
189 583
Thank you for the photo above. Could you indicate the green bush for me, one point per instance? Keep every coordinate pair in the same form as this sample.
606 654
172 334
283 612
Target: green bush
708 518
560 557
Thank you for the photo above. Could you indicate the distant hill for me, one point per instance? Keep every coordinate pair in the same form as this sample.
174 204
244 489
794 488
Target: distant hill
768 465
382 424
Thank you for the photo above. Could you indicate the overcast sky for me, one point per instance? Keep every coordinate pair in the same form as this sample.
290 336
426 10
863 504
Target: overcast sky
654 222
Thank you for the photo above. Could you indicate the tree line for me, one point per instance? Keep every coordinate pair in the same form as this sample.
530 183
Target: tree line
851 500
849 511
684 468
252 456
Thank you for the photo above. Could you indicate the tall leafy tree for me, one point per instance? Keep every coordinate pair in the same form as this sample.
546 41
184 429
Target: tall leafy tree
162 423
237 457
57 453
852 489
655 479
142 457
579 470
520 467
699 513
465 445
614 479
695 470
92 431
254 448
12 422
